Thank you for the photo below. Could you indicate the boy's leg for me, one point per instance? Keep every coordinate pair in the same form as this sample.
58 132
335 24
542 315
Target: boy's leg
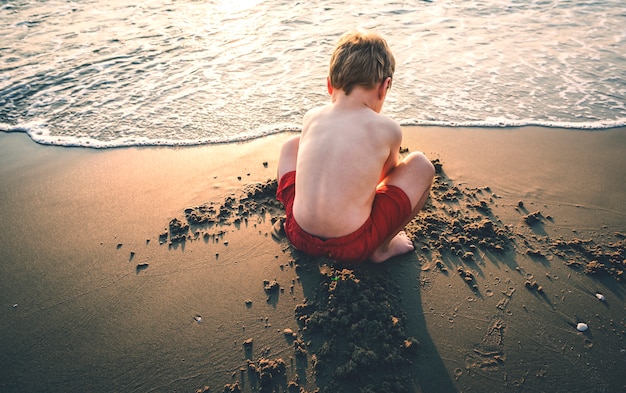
288 156
414 175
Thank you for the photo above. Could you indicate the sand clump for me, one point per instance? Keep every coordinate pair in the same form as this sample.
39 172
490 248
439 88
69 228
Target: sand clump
352 329
458 222
357 330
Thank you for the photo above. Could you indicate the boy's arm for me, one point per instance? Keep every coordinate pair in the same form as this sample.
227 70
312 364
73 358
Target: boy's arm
394 151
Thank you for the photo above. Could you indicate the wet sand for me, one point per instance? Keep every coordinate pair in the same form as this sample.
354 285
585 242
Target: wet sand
163 269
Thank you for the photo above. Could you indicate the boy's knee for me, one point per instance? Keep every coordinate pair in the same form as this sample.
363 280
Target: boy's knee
422 165
289 149
288 156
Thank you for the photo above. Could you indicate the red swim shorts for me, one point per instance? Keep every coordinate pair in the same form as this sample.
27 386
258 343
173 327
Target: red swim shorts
390 209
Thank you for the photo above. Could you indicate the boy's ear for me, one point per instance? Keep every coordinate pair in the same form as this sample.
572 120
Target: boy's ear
329 86
384 86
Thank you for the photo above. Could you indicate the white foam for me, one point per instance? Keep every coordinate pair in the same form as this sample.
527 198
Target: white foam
504 123
38 132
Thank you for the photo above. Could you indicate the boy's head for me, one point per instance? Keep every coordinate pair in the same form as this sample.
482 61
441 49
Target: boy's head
360 59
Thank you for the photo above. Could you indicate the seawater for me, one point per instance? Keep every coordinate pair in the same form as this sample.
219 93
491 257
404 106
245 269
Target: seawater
108 73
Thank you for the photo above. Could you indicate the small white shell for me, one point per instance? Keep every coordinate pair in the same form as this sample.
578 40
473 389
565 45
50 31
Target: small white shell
600 296
581 327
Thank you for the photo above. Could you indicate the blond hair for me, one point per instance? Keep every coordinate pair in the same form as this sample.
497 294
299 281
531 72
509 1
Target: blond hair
360 59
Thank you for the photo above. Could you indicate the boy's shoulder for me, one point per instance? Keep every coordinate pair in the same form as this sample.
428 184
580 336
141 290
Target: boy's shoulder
383 122
317 111
386 119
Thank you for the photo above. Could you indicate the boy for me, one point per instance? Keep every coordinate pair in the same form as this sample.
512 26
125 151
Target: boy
347 195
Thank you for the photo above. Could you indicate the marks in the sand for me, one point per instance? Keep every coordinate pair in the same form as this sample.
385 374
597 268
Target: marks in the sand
204 221
458 221
457 227
263 376
592 258
586 255
352 327
357 330
140 266
489 352
458 230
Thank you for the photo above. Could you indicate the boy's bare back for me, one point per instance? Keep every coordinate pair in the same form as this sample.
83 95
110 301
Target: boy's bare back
346 149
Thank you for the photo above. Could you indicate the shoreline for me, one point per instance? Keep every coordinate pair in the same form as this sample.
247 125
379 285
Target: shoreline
80 222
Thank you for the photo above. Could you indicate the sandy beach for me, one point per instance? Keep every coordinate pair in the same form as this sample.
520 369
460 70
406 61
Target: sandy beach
161 269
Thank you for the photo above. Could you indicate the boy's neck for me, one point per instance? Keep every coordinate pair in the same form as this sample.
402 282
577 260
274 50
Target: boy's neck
358 98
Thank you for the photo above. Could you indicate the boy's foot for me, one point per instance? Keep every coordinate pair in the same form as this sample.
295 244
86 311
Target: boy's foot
400 244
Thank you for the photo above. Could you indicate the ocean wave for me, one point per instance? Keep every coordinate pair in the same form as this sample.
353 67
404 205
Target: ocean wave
38 132
228 74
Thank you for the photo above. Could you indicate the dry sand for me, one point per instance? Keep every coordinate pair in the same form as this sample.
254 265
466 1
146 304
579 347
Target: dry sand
99 296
